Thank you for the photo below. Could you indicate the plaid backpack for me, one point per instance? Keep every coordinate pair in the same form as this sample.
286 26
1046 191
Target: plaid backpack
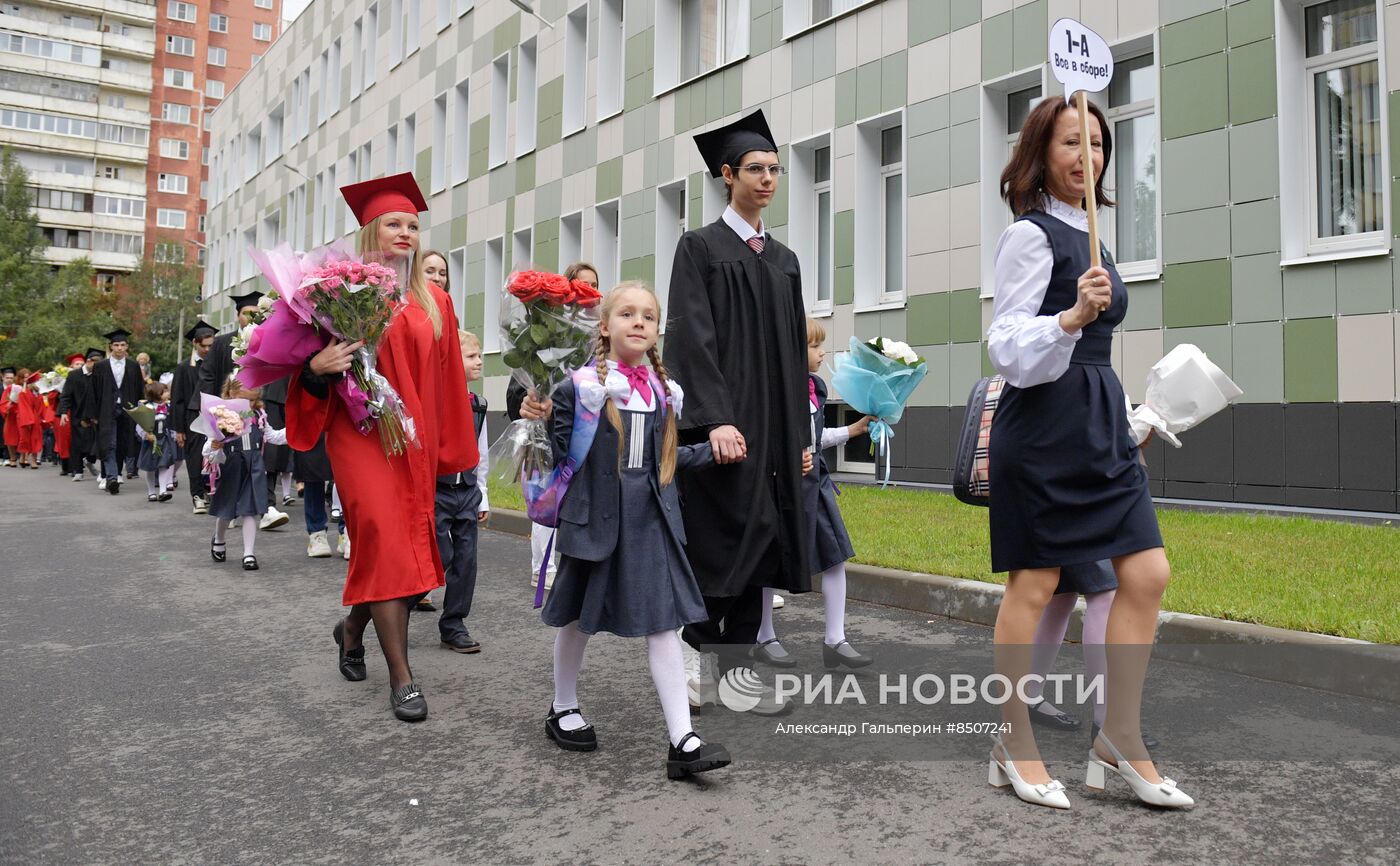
971 478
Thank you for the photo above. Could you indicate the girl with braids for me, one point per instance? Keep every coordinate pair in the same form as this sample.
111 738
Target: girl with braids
389 501
621 541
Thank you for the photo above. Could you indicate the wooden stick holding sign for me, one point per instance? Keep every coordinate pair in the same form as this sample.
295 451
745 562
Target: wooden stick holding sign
1083 63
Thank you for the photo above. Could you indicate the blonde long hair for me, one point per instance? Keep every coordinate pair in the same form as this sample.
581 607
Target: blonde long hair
367 242
670 437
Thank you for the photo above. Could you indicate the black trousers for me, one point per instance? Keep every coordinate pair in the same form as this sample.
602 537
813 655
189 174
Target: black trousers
455 514
732 627
194 463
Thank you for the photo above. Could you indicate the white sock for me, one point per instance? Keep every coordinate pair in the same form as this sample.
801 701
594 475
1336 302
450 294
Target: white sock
668 674
1045 647
335 498
834 602
250 535
1095 632
569 644
286 478
220 529
151 482
765 626
167 478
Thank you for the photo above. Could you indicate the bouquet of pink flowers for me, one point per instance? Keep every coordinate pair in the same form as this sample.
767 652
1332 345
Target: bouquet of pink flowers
547 326
331 293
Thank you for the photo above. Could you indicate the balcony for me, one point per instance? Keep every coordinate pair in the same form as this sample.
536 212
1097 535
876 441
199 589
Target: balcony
137 13
101 260
135 45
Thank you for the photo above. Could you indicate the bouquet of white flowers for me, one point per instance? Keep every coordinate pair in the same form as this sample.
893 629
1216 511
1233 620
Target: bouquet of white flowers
876 378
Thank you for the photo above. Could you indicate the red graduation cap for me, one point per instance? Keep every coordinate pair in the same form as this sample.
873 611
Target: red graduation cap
75 358
374 198
34 378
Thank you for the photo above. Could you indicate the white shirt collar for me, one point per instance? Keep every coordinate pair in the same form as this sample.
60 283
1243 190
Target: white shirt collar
1066 213
740 225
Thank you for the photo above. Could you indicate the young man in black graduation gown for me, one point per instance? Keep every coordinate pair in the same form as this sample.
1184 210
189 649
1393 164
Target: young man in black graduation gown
184 408
116 386
75 401
736 340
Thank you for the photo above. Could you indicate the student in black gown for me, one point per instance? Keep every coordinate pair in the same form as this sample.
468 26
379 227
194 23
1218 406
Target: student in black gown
184 408
76 403
737 337
1066 483
116 385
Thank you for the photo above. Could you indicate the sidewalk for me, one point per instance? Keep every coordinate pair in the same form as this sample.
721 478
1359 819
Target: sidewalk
1335 664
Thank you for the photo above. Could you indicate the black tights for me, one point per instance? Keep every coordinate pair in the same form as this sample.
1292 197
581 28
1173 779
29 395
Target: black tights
391 625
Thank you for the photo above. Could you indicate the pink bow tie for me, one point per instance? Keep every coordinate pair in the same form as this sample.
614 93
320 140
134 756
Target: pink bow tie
639 378
812 391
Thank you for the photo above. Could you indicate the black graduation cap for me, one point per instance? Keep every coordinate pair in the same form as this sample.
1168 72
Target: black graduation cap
248 300
120 335
724 146
201 330
11 370
95 353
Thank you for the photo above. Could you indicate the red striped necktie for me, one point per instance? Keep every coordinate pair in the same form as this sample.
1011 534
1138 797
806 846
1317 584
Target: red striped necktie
756 243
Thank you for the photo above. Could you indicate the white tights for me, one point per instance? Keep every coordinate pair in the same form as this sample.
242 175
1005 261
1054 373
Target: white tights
667 673
1050 635
250 532
159 481
833 603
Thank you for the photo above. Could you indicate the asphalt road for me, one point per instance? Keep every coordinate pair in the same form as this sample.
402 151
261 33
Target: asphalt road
158 708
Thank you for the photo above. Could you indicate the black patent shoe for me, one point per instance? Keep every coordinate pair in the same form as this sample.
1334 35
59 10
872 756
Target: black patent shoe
844 655
1058 721
350 662
461 643
408 703
250 563
218 550
701 759
585 739
770 652
1149 742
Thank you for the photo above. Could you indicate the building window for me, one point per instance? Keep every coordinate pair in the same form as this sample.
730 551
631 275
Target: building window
798 15
323 111
262 32
395 32
370 55
575 68
694 37
410 143
461 131
1132 101
1005 106
170 252
611 44
493 279
170 218
204 194
273 137
892 213
879 216
218 56
115 100
457 278
522 250
263 4
60 199
182 45
570 239
606 249
357 39
331 200
252 153
444 14
811 217
439 160
366 168
177 11
59 88
181 78
111 205
670 225
526 116
173 112
411 27
177 183
117 242
464 6
218 23
22 43
391 150
500 103
213 88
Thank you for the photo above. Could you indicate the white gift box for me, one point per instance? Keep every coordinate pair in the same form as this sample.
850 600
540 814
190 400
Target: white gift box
1183 389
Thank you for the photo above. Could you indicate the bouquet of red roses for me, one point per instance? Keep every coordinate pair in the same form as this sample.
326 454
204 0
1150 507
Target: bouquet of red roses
547 327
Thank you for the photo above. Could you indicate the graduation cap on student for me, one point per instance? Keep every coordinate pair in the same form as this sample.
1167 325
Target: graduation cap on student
241 301
201 330
34 377
120 335
95 354
726 145
74 358
10 370
397 193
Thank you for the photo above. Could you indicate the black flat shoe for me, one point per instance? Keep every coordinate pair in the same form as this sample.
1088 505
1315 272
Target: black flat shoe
703 758
461 643
585 739
770 652
1060 721
218 550
408 703
166 496
350 662
844 655
152 497
250 563
1149 742
425 604
114 486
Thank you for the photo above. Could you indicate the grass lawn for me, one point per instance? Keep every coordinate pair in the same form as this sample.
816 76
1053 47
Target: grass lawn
1291 572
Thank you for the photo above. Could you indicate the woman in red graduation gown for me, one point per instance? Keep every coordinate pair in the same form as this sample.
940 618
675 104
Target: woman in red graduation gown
31 421
388 501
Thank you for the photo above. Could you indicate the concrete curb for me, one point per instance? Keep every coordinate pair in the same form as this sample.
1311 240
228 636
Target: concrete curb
1334 664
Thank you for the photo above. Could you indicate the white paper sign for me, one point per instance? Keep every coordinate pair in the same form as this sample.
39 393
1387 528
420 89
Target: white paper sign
1080 58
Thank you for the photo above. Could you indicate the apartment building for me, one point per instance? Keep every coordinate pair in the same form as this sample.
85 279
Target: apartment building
75 97
1254 175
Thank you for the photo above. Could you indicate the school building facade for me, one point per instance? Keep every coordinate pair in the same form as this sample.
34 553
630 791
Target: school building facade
1252 169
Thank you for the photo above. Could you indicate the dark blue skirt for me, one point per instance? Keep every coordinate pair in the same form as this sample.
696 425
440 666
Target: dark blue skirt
1066 483
242 486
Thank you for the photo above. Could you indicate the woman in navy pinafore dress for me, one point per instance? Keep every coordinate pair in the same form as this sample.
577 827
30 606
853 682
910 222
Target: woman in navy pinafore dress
1066 484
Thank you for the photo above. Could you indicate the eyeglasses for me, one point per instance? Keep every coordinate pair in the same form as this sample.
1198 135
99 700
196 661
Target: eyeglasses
758 169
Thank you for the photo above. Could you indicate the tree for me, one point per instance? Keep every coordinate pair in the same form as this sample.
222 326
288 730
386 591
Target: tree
22 270
149 302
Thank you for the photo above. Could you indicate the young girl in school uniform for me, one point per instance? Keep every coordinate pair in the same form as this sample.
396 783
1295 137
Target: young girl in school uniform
622 565
241 490
828 544
159 468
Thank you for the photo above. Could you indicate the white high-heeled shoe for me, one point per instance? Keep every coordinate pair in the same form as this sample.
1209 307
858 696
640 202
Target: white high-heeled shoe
999 775
1164 793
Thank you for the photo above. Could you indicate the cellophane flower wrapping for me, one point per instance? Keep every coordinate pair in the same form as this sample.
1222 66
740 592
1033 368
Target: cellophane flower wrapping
331 293
876 378
547 327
